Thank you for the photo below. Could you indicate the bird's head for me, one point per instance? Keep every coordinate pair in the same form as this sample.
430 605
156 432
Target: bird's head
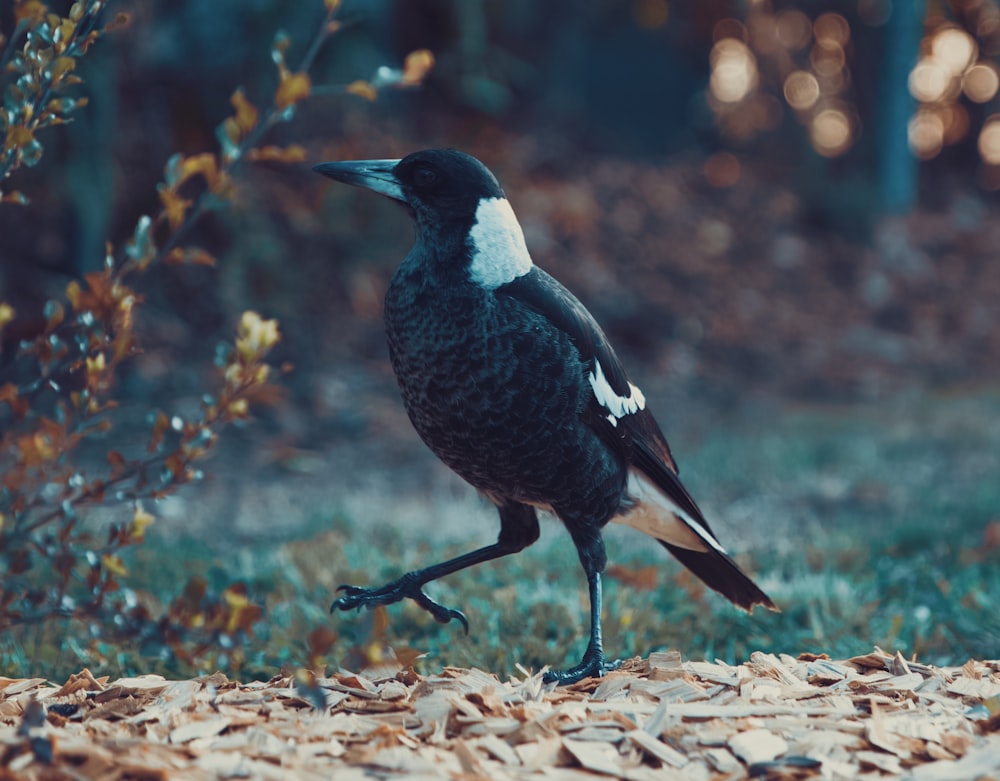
452 196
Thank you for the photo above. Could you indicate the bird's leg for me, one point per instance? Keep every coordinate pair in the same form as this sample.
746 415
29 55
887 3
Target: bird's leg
593 664
518 529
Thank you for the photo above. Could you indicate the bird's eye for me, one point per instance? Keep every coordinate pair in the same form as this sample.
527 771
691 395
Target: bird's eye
425 177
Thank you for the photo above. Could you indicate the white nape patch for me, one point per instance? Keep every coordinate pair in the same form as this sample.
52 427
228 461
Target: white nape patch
499 254
617 406
653 513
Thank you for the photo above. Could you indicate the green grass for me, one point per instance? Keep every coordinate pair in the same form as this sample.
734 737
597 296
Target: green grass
864 525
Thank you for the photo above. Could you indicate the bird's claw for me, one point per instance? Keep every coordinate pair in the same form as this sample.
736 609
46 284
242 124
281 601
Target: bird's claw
594 665
404 588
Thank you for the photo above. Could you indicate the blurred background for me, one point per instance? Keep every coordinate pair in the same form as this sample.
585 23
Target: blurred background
783 213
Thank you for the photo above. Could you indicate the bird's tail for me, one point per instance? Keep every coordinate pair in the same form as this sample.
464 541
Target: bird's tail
720 573
662 508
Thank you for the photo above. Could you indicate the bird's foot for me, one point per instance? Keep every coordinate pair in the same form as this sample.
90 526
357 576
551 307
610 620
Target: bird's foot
594 665
407 587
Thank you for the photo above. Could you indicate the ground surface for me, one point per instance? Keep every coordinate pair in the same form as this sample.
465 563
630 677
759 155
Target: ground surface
872 716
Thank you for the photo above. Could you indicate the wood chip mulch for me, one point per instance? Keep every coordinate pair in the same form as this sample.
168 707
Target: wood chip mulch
873 716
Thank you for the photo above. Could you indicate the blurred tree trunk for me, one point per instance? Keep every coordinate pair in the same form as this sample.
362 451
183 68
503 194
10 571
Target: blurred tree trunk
898 168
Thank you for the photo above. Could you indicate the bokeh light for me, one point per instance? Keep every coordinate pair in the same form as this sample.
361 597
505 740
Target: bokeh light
989 140
801 90
832 28
729 28
734 70
827 58
830 132
956 122
774 60
954 49
722 170
926 133
981 82
793 30
929 81
874 13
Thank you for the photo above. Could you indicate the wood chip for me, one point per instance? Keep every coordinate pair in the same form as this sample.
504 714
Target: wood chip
657 748
757 745
871 716
596 757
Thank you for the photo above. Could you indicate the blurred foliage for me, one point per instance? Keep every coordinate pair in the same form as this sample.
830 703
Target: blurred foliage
64 579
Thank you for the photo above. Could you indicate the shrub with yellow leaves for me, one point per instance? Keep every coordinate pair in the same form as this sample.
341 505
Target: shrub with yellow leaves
56 571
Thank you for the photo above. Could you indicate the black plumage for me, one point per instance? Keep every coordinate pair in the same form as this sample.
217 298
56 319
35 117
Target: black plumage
511 382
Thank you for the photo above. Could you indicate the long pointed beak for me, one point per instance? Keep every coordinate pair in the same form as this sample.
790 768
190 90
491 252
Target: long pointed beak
376 175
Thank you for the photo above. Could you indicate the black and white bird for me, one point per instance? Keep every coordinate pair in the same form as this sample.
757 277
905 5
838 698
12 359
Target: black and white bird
512 383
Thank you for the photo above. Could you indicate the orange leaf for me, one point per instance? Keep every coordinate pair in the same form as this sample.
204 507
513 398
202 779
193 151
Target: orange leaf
246 112
8 393
15 196
293 88
174 206
277 154
204 164
120 20
29 11
194 256
416 67
362 89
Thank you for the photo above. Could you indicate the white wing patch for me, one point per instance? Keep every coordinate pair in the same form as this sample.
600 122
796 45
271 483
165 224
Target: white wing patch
617 406
499 254
654 514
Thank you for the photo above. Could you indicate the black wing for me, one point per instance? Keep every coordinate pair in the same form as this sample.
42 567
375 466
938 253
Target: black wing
636 431
618 415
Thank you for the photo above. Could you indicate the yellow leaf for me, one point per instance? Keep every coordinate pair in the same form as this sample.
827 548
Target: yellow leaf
362 89
6 313
18 136
140 522
246 112
331 5
73 294
293 88
65 31
235 597
61 67
416 66
113 564
255 334
96 364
